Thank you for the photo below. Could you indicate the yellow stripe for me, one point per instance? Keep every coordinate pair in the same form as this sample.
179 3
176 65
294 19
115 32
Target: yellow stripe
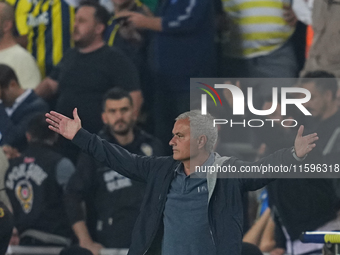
11 2
138 3
253 4
41 48
259 36
72 12
113 35
57 33
111 20
261 20
21 15
249 51
30 30
30 42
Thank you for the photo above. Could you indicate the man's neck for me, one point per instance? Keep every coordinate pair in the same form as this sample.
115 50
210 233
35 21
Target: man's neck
124 140
190 164
93 47
6 42
120 8
330 111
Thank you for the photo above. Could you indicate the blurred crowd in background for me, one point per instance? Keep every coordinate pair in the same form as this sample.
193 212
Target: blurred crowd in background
126 66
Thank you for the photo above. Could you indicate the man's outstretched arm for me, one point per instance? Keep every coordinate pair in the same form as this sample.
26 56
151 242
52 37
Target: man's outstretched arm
130 165
302 146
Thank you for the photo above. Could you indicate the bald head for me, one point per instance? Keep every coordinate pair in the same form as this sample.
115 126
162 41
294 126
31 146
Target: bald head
6 19
6 12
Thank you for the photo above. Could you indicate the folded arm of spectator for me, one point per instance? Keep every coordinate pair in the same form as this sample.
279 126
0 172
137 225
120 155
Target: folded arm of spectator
85 239
280 239
142 21
184 16
254 235
47 88
78 188
289 16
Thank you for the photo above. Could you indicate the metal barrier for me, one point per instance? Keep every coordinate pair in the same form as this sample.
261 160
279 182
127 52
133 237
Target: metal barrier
330 238
321 237
34 250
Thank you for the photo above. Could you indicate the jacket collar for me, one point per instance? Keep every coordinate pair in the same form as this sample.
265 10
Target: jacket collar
212 177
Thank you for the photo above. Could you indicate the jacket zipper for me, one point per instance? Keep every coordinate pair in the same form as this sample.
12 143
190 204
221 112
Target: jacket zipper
158 219
209 218
153 235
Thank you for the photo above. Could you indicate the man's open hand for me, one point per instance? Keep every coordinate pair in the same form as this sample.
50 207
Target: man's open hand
10 152
304 144
93 247
63 125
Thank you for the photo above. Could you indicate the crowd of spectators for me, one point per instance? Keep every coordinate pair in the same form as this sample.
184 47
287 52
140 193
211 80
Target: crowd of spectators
124 67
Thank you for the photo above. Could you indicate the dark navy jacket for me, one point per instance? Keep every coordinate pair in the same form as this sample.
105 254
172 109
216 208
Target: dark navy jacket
225 210
185 47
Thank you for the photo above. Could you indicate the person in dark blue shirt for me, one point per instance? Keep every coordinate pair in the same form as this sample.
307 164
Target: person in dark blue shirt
182 47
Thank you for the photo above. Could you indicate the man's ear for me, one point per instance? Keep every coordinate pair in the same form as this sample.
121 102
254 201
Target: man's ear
100 28
329 95
7 25
104 119
202 140
13 84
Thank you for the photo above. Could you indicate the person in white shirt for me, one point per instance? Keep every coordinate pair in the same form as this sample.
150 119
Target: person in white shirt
12 54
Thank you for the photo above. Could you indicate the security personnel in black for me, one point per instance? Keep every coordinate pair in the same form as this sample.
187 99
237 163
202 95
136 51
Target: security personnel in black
35 184
112 200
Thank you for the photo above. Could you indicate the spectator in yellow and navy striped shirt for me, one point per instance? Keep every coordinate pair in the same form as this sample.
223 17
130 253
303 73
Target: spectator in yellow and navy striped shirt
48 26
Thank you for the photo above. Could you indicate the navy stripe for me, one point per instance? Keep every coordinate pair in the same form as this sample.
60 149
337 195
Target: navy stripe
49 44
34 41
35 32
65 11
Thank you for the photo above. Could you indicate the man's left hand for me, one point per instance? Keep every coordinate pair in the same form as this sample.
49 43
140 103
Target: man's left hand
304 144
141 21
289 16
137 19
10 152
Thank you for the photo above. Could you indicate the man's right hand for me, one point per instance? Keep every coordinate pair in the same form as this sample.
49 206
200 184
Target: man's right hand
85 240
278 251
93 247
63 125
